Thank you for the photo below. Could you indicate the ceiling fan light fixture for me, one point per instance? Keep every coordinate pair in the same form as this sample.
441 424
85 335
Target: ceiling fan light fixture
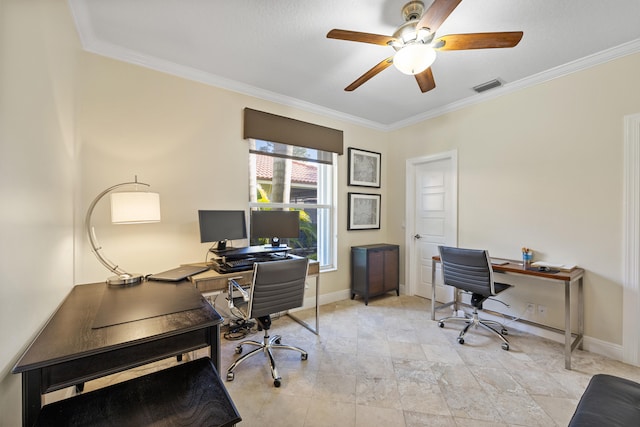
414 58
415 42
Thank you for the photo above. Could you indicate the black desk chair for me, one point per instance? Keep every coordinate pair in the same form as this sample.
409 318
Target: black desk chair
470 270
277 286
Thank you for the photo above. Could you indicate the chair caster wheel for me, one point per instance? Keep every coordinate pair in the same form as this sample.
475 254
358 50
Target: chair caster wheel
230 376
276 383
505 347
504 332
278 341
460 340
304 356
441 324
238 349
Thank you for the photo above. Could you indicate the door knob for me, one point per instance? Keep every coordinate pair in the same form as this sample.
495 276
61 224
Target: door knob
417 236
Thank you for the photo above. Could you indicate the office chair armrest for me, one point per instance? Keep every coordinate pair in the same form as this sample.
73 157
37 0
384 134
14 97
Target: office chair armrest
235 285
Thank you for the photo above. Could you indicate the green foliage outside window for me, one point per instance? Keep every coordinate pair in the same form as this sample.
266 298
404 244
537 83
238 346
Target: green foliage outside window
306 244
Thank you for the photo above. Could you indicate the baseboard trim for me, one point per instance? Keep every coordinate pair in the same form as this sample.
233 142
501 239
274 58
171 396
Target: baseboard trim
593 345
604 348
310 301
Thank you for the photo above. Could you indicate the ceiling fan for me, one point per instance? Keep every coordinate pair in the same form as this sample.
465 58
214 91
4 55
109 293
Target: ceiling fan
415 42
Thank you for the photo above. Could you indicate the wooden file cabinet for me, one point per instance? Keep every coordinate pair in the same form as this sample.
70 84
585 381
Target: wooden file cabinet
374 270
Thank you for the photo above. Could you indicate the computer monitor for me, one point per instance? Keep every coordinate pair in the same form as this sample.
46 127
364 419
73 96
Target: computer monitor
220 226
275 225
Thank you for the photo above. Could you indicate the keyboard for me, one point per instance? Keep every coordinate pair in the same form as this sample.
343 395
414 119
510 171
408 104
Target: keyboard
234 265
243 264
237 263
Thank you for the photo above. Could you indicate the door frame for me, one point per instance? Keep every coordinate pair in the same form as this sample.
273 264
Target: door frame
631 243
410 192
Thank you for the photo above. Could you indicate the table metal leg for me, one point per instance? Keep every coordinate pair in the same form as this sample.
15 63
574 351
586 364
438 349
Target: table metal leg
580 313
453 303
433 290
567 324
570 345
315 330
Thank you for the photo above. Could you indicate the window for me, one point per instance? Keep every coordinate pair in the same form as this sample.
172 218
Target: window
297 178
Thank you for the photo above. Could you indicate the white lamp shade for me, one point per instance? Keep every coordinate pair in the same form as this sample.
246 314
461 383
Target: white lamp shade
135 207
414 58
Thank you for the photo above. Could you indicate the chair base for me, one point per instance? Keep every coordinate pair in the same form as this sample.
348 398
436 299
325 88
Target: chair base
475 321
269 344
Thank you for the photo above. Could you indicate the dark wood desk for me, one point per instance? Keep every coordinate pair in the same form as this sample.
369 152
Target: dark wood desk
69 351
567 277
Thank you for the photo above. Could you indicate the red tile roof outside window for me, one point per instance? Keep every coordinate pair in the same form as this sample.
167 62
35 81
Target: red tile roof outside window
301 172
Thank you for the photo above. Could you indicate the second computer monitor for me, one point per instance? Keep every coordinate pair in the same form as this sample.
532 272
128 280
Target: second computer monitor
275 225
220 226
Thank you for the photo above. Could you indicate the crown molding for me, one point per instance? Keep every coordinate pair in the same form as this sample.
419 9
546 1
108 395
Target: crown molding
189 73
602 57
91 44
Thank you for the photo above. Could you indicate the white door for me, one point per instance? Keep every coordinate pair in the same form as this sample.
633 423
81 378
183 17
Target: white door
431 219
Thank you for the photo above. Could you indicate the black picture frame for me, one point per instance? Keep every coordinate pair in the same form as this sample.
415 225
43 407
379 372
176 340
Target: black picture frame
364 168
364 211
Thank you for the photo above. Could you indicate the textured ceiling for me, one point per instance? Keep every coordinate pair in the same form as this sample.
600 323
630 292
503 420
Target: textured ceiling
278 49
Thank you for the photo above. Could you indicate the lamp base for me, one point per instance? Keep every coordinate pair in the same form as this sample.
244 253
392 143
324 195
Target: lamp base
125 280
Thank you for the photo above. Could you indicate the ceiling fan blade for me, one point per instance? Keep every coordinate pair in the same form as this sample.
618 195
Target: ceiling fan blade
425 80
437 13
478 41
381 66
356 36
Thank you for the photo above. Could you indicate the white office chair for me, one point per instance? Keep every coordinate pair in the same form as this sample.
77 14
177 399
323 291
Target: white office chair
276 286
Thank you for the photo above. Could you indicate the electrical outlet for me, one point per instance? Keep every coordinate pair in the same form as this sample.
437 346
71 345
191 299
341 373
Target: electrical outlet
531 308
542 310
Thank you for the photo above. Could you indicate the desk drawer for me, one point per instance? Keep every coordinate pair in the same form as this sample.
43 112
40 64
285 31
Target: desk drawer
77 371
212 281
187 394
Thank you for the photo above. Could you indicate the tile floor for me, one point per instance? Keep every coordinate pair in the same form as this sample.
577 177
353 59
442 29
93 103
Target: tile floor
388 364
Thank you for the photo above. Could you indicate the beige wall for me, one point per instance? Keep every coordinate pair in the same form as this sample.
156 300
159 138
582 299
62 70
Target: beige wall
541 168
38 47
554 151
184 138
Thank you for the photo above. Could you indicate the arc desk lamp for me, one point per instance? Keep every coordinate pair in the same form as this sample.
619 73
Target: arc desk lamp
127 207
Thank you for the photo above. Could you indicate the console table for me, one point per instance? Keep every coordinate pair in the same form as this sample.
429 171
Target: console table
69 350
212 281
561 277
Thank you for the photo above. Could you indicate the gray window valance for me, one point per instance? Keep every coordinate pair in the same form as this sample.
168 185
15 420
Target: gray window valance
271 127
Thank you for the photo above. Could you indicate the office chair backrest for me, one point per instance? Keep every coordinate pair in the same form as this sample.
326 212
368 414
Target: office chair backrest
467 269
277 286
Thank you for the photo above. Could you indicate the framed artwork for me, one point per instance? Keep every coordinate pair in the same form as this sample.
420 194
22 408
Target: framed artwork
364 211
364 168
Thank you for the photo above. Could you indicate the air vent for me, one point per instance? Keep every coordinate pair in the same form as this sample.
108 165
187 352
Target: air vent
488 85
